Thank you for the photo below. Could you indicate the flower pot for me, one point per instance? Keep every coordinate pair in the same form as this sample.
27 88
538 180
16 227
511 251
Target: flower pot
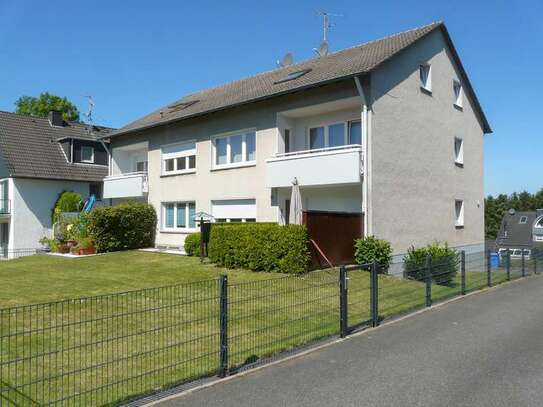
86 251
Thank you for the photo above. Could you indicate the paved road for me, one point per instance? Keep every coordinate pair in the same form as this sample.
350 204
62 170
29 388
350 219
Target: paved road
484 350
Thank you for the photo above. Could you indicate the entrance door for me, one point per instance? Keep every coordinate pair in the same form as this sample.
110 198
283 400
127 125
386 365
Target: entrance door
334 233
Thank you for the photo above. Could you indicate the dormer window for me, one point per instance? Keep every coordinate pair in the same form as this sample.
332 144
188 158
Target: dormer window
425 73
87 154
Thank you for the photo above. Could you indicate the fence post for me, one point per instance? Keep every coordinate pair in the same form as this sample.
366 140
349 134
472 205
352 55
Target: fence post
428 281
343 302
374 292
523 265
534 256
508 264
488 269
463 272
223 304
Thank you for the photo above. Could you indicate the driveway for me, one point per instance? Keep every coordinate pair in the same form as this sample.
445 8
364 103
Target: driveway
483 350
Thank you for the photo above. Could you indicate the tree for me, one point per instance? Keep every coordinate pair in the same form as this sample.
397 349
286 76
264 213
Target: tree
41 106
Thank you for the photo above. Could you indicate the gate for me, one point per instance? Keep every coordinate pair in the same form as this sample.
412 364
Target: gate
358 297
333 235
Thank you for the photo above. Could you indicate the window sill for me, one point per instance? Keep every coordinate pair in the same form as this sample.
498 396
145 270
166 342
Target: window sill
180 231
173 174
426 91
459 164
458 107
231 166
459 226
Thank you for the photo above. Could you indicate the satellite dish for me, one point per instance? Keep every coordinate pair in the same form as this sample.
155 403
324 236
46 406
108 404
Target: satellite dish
511 211
322 50
287 60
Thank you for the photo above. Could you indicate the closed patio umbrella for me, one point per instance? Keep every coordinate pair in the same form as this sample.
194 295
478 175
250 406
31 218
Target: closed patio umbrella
295 214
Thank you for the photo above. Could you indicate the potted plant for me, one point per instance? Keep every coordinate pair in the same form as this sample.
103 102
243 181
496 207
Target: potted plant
85 247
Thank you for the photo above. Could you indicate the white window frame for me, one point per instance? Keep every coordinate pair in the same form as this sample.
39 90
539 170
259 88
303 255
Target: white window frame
538 224
145 165
91 161
242 220
182 154
523 220
459 156
459 220
174 229
346 128
427 86
458 98
538 238
229 164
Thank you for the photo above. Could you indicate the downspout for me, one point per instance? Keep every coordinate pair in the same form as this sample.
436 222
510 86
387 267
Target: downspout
365 151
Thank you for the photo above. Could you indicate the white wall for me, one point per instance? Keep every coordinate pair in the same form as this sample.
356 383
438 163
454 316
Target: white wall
32 203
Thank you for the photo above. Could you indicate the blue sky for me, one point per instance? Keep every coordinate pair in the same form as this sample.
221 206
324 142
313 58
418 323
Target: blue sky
136 56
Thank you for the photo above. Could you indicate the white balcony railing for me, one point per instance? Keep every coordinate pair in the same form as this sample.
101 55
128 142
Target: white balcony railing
323 166
129 185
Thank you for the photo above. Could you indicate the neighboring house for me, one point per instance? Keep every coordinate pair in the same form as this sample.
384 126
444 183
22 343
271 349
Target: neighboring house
384 138
520 232
39 159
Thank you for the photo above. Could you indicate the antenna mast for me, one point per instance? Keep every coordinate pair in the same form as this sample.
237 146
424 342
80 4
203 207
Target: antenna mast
326 24
88 115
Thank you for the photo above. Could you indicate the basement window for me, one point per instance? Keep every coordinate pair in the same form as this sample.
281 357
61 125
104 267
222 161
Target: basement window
291 76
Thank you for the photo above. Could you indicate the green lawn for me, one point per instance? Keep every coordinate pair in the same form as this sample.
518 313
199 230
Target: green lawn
99 350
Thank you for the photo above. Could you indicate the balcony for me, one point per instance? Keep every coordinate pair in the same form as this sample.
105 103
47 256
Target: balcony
325 166
129 185
5 207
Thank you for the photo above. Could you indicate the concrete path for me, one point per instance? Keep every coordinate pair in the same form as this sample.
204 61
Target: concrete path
483 350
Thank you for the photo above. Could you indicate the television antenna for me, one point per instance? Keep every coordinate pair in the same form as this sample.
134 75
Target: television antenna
322 50
326 24
88 115
287 60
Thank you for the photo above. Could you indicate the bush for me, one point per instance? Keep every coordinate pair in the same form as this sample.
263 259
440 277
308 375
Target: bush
445 262
370 249
260 247
126 226
67 202
192 244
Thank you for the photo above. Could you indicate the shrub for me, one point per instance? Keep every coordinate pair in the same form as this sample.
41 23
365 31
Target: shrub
445 262
260 247
126 226
192 244
67 201
370 249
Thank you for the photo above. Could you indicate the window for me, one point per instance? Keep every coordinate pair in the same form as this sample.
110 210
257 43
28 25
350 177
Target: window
236 149
458 93
141 166
539 223
316 138
335 135
355 132
538 238
459 151
459 213
523 220
177 159
87 154
234 210
179 215
291 76
287 140
517 252
425 72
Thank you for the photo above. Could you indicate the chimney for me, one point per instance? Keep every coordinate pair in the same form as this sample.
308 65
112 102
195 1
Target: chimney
55 118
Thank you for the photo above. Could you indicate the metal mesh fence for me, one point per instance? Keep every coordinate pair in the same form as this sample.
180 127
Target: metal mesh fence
106 349
98 350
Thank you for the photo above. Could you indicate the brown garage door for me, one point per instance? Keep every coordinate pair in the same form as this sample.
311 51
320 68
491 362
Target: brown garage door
333 234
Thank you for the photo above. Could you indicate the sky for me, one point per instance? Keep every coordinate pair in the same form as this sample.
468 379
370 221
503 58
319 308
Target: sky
135 57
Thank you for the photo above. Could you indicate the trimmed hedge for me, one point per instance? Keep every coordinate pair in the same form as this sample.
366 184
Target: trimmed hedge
445 261
126 226
260 247
192 244
370 249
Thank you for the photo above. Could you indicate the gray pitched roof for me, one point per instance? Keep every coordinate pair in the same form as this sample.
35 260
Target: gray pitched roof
30 148
336 66
518 234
